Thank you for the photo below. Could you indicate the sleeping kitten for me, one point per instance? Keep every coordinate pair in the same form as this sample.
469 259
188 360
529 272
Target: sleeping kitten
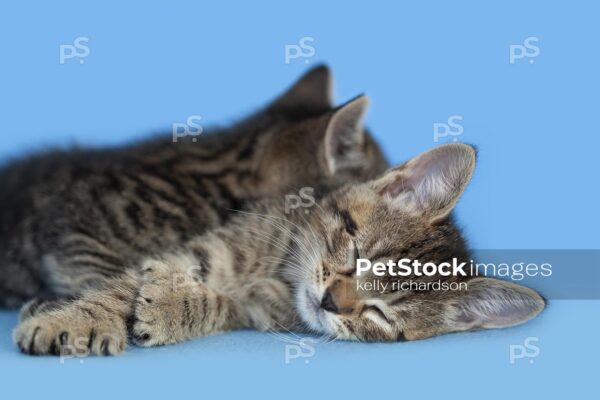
70 219
272 270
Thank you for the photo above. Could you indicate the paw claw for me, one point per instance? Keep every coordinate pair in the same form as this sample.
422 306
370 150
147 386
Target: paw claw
64 338
69 333
104 347
30 350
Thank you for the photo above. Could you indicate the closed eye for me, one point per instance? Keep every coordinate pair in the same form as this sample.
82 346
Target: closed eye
349 223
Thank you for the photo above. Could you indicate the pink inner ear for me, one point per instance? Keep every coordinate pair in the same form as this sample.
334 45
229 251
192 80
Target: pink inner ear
411 174
345 136
492 303
431 182
395 187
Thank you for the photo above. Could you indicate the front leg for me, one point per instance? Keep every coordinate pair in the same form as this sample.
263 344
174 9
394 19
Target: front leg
173 305
95 322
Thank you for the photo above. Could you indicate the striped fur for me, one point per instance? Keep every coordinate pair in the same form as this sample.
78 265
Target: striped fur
271 269
69 220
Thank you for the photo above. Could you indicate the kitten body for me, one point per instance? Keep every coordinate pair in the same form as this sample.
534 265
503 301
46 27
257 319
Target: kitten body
271 268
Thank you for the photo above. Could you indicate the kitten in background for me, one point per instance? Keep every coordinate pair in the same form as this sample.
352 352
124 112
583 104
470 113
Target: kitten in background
71 219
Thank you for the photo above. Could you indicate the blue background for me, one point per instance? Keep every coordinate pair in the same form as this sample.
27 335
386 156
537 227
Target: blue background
535 187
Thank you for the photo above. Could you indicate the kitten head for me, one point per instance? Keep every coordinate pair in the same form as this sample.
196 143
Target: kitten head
404 214
310 141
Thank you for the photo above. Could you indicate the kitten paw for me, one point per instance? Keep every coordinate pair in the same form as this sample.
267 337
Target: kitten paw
161 310
74 330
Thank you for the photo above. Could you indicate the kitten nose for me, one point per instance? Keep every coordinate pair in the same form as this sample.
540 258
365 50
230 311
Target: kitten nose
328 303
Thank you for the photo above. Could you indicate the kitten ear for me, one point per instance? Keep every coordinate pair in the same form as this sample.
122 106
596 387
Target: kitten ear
431 183
344 136
492 303
312 92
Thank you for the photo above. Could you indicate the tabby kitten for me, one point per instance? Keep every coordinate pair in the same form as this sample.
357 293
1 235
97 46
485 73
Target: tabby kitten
275 270
70 219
